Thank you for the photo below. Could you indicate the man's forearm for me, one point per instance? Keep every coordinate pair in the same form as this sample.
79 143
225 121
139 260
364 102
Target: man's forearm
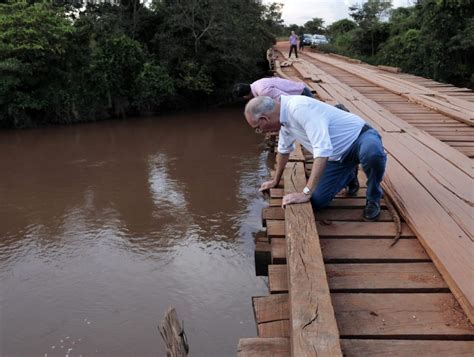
281 161
319 164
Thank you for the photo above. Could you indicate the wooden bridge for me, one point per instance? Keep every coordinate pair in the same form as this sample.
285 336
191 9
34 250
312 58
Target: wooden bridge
342 286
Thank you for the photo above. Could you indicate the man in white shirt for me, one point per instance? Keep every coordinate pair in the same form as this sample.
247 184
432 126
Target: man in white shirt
339 141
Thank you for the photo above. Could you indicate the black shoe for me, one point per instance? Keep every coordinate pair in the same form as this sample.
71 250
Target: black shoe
371 211
353 187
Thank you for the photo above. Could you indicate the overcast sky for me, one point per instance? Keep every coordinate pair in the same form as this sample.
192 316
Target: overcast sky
300 11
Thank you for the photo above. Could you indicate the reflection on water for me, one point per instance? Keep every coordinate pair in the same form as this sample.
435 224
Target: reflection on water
105 225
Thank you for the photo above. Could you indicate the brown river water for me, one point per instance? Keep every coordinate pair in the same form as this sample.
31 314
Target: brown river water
105 225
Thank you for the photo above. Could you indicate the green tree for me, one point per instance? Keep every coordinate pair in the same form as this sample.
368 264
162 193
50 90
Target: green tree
33 46
368 16
272 16
315 25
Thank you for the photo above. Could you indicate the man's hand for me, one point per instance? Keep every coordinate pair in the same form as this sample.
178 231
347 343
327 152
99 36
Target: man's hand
296 197
267 185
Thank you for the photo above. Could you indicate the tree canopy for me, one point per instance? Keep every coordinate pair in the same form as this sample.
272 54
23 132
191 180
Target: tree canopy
63 64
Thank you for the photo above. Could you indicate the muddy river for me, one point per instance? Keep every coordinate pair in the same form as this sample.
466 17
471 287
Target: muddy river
105 225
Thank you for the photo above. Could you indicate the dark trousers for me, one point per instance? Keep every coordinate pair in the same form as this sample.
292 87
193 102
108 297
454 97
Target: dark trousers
366 150
293 47
307 92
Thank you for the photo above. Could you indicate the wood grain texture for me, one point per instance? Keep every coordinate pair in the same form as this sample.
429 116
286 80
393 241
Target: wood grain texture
312 323
264 347
383 277
405 348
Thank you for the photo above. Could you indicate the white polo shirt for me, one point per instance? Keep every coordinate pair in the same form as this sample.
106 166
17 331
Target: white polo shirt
322 129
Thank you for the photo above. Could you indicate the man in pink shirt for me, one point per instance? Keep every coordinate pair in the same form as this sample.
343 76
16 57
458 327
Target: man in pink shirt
273 87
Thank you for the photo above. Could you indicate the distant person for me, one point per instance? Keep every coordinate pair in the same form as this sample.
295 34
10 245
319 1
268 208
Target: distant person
302 42
293 44
338 140
271 58
272 87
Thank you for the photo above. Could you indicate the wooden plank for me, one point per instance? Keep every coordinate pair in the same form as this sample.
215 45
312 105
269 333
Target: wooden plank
440 239
312 323
456 108
279 193
361 229
447 244
372 250
384 277
390 69
278 278
352 203
405 348
434 315
340 202
360 251
272 213
271 315
172 332
347 214
278 251
451 187
264 347
270 308
367 315
274 329
275 229
451 155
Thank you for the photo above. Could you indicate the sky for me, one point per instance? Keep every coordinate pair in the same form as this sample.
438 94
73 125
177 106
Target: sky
300 11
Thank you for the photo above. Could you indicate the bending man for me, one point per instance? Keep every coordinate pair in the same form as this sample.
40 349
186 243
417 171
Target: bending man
272 87
338 140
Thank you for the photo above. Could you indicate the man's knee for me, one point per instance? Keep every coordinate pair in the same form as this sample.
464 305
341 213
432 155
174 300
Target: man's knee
375 158
318 201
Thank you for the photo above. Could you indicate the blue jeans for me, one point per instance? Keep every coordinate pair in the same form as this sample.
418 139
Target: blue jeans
307 92
366 150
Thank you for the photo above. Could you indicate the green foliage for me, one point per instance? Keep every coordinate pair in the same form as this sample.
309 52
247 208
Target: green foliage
59 65
33 45
434 38
340 27
152 87
315 25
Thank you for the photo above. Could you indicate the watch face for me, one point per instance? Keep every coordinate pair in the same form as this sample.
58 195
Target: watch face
306 191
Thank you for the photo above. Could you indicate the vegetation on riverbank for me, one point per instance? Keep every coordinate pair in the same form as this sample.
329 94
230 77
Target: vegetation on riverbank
432 38
62 65
59 64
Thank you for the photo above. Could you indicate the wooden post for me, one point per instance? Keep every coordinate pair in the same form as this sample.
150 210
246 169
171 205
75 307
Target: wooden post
173 335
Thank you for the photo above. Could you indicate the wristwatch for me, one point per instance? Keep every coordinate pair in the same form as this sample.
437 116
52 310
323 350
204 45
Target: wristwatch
306 190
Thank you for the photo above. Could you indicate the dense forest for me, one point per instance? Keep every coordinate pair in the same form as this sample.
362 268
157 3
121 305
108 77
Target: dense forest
432 38
61 62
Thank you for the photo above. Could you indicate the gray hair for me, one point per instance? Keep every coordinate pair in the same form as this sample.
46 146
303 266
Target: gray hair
259 106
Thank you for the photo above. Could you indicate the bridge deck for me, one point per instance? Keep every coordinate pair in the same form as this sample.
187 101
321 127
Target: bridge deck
414 297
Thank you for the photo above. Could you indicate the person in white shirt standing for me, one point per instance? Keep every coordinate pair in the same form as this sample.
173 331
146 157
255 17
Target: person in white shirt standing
339 141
